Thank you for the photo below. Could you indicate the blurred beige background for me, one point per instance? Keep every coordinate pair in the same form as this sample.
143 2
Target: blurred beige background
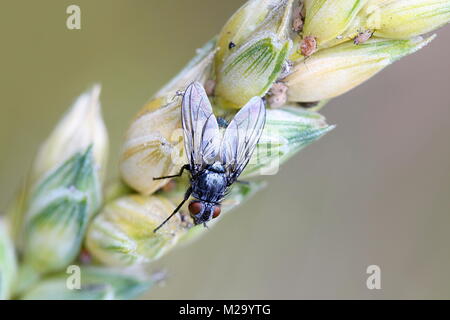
374 191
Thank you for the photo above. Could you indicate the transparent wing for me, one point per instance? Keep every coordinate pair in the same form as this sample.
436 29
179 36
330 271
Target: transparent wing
201 131
241 136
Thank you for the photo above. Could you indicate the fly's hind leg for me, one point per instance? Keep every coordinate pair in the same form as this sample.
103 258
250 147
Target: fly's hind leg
186 196
178 93
242 182
185 167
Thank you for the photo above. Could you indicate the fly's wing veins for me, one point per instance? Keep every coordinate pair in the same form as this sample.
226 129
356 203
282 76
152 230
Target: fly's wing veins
201 131
241 136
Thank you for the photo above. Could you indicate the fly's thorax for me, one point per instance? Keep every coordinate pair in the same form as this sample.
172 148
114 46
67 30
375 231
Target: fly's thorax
210 184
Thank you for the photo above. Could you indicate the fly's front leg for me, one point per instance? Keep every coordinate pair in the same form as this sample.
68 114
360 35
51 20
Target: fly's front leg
185 167
186 196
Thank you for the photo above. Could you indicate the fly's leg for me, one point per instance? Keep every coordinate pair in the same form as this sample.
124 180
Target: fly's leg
179 93
243 182
185 167
186 196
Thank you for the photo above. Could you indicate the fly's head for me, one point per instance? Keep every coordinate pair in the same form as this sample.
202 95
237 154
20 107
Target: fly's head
202 211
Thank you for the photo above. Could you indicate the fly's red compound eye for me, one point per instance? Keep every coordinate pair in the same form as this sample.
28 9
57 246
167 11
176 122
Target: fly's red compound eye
195 207
216 212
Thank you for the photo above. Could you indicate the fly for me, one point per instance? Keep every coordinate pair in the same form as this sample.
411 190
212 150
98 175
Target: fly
214 161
